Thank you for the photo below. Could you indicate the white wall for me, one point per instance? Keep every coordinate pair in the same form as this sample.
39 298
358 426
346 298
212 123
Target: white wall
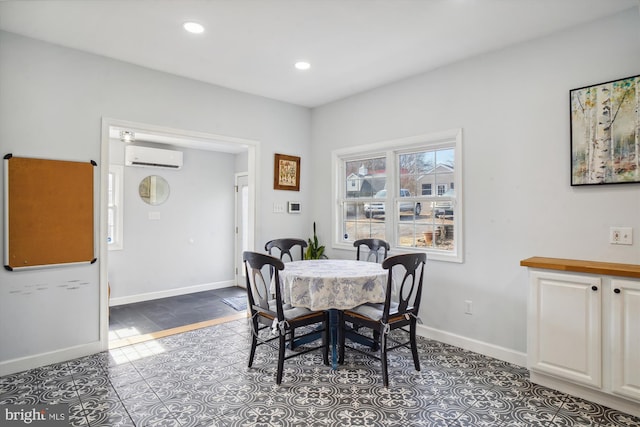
52 102
190 246
513 107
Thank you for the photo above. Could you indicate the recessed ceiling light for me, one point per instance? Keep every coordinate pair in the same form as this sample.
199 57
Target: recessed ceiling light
302 65
193 27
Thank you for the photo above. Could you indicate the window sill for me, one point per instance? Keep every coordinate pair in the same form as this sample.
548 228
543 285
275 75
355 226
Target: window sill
432 255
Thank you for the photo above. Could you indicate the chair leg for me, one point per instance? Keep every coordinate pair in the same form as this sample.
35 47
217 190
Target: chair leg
414 344
325 339
254 341
383 358
341 337
281 352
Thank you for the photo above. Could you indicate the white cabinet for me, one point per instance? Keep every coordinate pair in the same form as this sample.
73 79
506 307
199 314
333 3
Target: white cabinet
625 338
583 331
565 327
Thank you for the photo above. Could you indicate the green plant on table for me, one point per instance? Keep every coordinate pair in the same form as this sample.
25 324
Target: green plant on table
314 249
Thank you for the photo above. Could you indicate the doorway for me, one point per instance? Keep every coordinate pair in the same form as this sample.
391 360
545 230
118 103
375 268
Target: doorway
245 150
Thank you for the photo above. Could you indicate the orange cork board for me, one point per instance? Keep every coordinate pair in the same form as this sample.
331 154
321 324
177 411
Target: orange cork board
49 212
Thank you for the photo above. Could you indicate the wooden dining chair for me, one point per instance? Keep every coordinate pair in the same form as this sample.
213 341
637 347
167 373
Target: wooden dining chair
399 311
284 247
378 249
270 313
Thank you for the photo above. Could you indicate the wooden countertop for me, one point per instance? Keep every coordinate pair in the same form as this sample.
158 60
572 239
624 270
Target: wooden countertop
592 267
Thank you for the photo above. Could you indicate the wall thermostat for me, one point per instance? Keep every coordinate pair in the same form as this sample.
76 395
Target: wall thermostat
294 207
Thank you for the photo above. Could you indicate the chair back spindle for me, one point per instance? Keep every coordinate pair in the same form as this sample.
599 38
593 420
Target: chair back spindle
378 249
285 247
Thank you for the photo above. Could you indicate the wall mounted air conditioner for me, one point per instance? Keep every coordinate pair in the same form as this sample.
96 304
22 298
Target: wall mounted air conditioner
152 157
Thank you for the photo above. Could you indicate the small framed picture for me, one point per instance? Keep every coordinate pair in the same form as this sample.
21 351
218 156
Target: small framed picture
286 173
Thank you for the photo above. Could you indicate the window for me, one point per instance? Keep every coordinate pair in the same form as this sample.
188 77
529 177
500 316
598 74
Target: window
366 179
386 191
114 207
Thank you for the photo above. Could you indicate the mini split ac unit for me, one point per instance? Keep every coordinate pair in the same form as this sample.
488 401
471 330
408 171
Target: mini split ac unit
152 157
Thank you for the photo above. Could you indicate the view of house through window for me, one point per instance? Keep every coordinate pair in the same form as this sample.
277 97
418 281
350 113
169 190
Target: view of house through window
432 224
405 195
365 179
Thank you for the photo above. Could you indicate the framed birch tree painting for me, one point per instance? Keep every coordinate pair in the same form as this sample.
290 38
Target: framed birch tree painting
605 133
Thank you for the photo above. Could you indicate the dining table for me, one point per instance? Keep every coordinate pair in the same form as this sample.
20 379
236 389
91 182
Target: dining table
334 285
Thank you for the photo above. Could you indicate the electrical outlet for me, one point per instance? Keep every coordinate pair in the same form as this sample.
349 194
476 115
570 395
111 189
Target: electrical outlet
621 235
468 307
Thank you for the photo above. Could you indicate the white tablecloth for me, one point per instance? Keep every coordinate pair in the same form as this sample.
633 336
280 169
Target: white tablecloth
332 283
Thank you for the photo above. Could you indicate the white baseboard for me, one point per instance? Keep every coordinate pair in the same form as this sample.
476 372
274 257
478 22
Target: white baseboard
29 362
170 293
497 352
605 399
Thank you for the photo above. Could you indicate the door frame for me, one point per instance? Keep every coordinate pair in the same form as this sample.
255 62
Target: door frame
238 268
109 124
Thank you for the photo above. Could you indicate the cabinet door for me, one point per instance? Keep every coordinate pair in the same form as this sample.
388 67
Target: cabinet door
625 334
564 327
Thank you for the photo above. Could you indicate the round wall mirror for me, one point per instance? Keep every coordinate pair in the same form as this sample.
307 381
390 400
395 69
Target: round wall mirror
154 190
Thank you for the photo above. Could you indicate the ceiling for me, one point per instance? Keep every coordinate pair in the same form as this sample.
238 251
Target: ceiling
251 45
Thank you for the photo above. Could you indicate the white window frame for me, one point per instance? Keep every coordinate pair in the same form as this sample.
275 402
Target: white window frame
449 138
117 206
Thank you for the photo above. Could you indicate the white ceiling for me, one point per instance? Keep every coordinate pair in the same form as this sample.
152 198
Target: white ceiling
251 45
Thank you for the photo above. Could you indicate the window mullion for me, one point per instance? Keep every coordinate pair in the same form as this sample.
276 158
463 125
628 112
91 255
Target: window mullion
392 193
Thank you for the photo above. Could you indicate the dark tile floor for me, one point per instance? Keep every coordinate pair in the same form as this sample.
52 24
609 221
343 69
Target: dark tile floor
168 313
200 378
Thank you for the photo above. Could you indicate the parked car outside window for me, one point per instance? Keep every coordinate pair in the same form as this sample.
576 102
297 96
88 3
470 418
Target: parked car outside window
377 208
444 209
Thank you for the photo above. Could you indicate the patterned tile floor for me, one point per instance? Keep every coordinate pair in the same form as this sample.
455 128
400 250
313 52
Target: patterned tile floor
200 378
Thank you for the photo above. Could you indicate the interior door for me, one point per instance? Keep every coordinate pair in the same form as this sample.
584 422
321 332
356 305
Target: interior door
242 225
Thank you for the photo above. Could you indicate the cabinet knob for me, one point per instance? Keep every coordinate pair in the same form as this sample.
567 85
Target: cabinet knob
594 288
616 290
